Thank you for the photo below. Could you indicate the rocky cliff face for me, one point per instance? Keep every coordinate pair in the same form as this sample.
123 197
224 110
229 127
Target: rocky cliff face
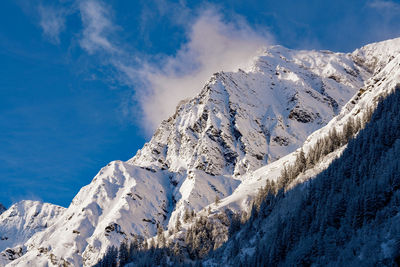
210 148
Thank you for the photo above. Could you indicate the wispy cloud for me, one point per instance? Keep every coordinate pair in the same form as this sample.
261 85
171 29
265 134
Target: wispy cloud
52 22
384 5
97 27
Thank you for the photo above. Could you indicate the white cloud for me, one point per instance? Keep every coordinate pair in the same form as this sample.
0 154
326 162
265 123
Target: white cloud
97 27
52 22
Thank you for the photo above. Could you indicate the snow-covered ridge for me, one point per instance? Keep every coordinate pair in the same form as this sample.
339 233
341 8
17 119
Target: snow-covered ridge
243 120
235 134
21 221
376 56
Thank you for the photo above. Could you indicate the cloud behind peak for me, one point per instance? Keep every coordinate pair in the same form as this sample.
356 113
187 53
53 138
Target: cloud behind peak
213 44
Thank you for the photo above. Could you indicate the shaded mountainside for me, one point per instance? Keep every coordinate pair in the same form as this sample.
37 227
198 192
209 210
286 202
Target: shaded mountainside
218 148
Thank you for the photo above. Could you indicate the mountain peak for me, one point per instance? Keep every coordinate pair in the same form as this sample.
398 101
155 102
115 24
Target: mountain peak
376 56
241 120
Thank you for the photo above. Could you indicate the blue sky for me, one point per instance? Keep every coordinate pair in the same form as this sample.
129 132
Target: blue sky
85 82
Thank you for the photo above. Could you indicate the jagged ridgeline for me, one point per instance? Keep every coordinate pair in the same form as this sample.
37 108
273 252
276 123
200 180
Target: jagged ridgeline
348 215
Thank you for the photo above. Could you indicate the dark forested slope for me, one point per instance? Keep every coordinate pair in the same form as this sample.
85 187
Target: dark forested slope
347 216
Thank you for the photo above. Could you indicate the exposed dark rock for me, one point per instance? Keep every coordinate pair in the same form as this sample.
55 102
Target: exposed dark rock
283 141
259 157
13 253
173 181
302 115
335 78
214 188
149 221
114 227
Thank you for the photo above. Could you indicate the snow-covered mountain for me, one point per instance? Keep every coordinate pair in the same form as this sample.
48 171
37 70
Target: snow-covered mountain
236 133
20 222
243 120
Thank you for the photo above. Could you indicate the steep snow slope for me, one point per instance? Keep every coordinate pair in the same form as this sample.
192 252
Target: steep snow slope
238 123
241 199
21 221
